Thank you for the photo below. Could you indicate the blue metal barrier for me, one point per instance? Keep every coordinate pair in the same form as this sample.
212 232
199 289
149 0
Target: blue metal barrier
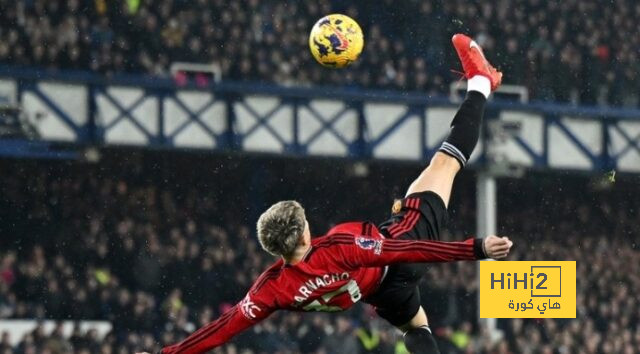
86 109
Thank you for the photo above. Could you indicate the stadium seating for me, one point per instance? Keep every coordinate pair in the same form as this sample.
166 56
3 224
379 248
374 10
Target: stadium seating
538 44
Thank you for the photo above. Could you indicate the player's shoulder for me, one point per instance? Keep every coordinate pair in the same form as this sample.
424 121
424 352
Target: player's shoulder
268 275
354 228
339 234
345 234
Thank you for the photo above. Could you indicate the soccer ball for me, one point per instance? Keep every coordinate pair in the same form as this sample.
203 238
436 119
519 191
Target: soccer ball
336 41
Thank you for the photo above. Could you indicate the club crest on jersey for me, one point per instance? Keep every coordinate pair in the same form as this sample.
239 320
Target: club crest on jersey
369 244
248 308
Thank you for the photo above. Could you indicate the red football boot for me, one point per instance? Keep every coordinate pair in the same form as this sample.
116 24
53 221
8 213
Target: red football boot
473 60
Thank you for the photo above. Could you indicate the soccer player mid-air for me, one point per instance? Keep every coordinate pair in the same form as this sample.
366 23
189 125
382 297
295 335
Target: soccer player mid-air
359 261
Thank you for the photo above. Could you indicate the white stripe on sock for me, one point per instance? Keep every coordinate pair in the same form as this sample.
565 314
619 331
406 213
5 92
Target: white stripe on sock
427 328
454 155
454 151
480 84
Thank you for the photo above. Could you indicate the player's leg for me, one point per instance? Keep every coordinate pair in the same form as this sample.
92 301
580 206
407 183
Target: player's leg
398 301
417 335
457 148
465 128
423 213
437 177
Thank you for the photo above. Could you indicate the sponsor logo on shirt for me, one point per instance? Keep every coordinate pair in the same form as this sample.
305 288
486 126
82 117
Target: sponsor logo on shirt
249 308
369 244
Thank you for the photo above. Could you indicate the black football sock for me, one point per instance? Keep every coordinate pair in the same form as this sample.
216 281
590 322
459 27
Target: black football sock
465 128
420 341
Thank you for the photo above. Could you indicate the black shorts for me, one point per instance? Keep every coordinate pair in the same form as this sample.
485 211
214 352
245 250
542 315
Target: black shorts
419 216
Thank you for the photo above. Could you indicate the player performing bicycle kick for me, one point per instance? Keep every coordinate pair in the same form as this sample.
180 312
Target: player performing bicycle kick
380 265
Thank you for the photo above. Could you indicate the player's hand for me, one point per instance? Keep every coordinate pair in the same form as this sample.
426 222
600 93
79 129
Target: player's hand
497 247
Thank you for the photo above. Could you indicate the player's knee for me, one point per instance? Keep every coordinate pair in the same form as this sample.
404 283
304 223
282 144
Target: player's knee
437 177
418 320
420 341
443 161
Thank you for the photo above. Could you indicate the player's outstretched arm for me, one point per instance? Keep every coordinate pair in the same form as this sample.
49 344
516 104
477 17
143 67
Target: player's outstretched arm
497 247
237 319
368 252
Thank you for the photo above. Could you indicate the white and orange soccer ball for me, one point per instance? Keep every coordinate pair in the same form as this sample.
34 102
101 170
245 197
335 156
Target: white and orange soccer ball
336 41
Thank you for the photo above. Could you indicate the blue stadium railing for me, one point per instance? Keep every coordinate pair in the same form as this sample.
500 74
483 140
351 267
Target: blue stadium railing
82 109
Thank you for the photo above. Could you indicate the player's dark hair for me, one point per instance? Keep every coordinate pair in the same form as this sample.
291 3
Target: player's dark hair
280 227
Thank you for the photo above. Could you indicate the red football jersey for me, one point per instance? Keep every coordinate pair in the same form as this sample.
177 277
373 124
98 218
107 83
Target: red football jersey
340 268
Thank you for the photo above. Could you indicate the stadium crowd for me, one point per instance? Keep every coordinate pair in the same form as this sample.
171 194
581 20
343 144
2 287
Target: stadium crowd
159 248
568 51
